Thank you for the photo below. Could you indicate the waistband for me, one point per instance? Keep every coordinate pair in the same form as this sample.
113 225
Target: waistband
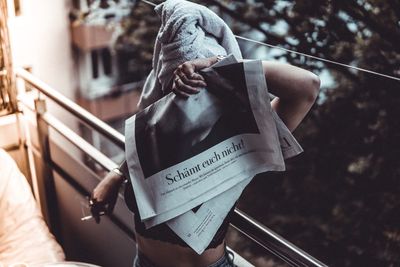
225 261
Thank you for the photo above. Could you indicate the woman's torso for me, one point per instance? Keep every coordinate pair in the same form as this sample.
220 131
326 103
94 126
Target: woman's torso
164 248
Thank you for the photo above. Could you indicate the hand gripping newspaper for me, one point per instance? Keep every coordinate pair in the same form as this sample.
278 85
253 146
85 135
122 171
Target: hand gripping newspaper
190 159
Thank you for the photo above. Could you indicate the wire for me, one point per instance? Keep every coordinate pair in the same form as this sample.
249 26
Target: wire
149 3
318 58
303 54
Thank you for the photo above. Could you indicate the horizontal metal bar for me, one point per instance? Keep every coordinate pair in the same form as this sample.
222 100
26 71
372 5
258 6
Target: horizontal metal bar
78 141
69 105
5 112
272 241
11 147
7 119
74 138
241 221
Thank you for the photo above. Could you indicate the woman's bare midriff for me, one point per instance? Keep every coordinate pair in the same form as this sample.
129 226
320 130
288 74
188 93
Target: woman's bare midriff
165 254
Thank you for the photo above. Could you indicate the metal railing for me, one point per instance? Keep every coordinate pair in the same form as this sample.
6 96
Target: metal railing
256 231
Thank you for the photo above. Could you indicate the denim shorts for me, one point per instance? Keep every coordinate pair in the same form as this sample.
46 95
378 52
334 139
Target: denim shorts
225 261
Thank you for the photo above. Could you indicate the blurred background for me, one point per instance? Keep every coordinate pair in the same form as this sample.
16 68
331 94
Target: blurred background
339 199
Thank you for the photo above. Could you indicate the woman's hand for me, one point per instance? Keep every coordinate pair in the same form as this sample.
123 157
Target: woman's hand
186 79
105 194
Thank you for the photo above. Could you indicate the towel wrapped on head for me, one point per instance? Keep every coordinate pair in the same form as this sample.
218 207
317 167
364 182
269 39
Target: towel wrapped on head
188 31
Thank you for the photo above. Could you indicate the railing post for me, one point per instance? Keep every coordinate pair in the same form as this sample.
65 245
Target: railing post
48 197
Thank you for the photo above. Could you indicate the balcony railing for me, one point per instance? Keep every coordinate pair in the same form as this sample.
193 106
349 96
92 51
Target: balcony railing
256 231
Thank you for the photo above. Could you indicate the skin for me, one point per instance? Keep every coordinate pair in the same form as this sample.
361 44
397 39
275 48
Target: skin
295 89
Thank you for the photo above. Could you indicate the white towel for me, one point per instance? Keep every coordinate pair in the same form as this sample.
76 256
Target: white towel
188 31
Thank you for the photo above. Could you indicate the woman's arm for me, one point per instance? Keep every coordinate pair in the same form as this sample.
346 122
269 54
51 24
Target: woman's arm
295 89
105 194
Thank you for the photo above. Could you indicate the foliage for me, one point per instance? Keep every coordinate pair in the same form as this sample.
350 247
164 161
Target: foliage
138 31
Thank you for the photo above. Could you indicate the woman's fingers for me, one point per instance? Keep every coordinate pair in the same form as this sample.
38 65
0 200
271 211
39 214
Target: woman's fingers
189 74
187 81
179 92
197 76
185 88
191 81
186 68
97 208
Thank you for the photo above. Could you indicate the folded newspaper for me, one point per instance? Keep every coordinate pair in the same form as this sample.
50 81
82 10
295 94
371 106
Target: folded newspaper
204 150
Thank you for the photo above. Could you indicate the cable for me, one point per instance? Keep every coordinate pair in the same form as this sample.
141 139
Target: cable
319 58
148 2
303 54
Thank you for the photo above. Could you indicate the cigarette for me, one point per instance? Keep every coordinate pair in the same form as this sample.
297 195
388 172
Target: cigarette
91 216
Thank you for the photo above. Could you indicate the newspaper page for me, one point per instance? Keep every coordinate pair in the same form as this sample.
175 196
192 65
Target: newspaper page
288 145
179 149
189 151
198 227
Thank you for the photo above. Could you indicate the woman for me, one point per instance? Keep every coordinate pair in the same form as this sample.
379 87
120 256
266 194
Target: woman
295 90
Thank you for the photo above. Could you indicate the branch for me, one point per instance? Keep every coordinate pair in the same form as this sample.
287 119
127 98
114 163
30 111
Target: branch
275 39
382 30
394 5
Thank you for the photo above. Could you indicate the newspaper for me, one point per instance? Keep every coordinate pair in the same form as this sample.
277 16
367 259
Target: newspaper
204 150
198 227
